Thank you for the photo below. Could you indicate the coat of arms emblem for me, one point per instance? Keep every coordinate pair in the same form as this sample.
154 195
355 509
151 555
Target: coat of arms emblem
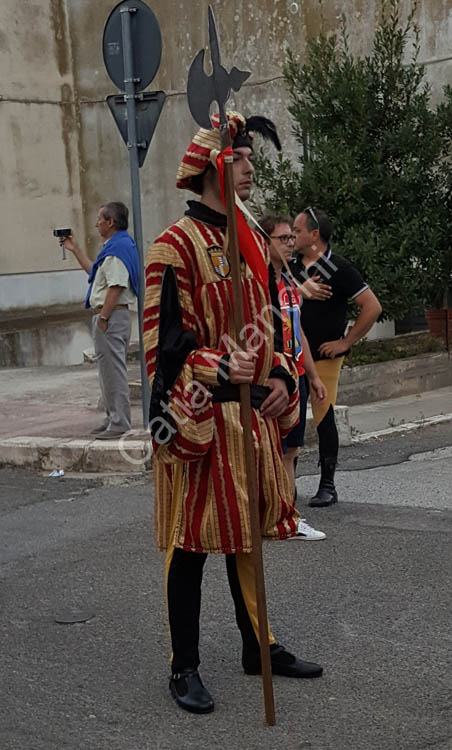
219 261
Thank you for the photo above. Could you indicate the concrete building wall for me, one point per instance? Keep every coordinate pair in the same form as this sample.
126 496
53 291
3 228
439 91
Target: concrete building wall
60 152
39 158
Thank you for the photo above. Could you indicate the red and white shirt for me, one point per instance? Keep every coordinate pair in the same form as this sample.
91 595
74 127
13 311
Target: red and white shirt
289 301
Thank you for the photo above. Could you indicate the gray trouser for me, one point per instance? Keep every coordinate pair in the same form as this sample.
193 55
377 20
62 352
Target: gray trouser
111 354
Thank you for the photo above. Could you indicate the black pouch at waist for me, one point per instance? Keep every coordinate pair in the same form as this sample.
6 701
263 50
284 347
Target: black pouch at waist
231 392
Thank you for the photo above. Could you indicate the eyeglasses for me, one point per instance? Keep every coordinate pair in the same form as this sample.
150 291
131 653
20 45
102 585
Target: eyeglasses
284 238
311 213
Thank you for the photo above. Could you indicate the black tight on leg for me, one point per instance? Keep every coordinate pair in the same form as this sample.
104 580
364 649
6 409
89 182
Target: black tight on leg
242 617
184 607
328 435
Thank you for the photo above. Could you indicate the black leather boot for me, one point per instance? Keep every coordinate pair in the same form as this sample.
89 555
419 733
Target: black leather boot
189 692
326 494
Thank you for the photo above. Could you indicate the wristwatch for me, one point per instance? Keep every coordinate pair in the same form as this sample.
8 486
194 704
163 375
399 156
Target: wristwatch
102 317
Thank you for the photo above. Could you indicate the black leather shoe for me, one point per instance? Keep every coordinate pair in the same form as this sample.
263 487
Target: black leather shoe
283 663
189 692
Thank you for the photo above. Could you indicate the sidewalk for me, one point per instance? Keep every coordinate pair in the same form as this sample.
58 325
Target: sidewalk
400 414
47 415
54 401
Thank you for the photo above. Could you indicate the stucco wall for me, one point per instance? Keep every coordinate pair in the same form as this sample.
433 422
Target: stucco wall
38 136
60 152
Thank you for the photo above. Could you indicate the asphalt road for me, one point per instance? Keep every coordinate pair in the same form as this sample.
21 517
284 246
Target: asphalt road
372 603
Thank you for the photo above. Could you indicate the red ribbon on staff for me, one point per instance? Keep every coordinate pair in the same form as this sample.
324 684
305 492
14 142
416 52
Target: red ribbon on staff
248 246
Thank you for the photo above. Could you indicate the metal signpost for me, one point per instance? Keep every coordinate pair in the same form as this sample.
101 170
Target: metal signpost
132 48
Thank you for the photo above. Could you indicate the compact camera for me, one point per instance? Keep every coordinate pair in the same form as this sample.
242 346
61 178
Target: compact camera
62 233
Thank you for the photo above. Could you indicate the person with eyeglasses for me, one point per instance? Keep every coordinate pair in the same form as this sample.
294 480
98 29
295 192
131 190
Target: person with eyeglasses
286 300
324 323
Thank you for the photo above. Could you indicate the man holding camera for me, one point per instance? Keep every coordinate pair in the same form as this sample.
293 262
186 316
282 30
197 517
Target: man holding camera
113 286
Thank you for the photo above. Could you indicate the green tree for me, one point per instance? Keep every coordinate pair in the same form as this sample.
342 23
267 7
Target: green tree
375 155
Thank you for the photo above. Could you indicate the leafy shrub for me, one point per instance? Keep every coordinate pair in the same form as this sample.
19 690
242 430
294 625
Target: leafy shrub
374 154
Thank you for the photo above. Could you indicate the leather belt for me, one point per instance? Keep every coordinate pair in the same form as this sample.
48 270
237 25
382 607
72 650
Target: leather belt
116 307
223 393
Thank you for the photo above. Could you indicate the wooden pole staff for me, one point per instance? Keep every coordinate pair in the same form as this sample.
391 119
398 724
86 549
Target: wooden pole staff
250 457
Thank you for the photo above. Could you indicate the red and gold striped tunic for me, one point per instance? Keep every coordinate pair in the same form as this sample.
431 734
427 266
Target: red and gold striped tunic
201 501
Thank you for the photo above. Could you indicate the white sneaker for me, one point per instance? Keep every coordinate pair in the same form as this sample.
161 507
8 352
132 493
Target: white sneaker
306 532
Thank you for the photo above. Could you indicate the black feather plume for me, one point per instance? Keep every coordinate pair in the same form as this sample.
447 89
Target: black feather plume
264 126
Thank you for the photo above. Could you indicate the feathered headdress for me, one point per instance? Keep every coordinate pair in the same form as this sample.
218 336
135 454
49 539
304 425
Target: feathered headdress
197 156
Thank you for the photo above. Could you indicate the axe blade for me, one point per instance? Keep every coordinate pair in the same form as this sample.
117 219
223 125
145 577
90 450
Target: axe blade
200 92
203 89
237 78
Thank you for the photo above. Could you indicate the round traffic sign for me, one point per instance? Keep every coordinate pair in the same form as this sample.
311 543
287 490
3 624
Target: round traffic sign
146 44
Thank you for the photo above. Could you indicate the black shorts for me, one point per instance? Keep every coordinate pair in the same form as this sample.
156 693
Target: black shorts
295 438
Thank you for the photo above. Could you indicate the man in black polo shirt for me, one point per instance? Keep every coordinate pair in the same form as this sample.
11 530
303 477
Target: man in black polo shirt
324 323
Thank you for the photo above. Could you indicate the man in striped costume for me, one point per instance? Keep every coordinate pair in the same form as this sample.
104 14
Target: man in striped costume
201 502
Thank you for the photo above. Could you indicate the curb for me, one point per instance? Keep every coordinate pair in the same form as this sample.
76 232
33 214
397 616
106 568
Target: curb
131 455
342 422
88 456
401 428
